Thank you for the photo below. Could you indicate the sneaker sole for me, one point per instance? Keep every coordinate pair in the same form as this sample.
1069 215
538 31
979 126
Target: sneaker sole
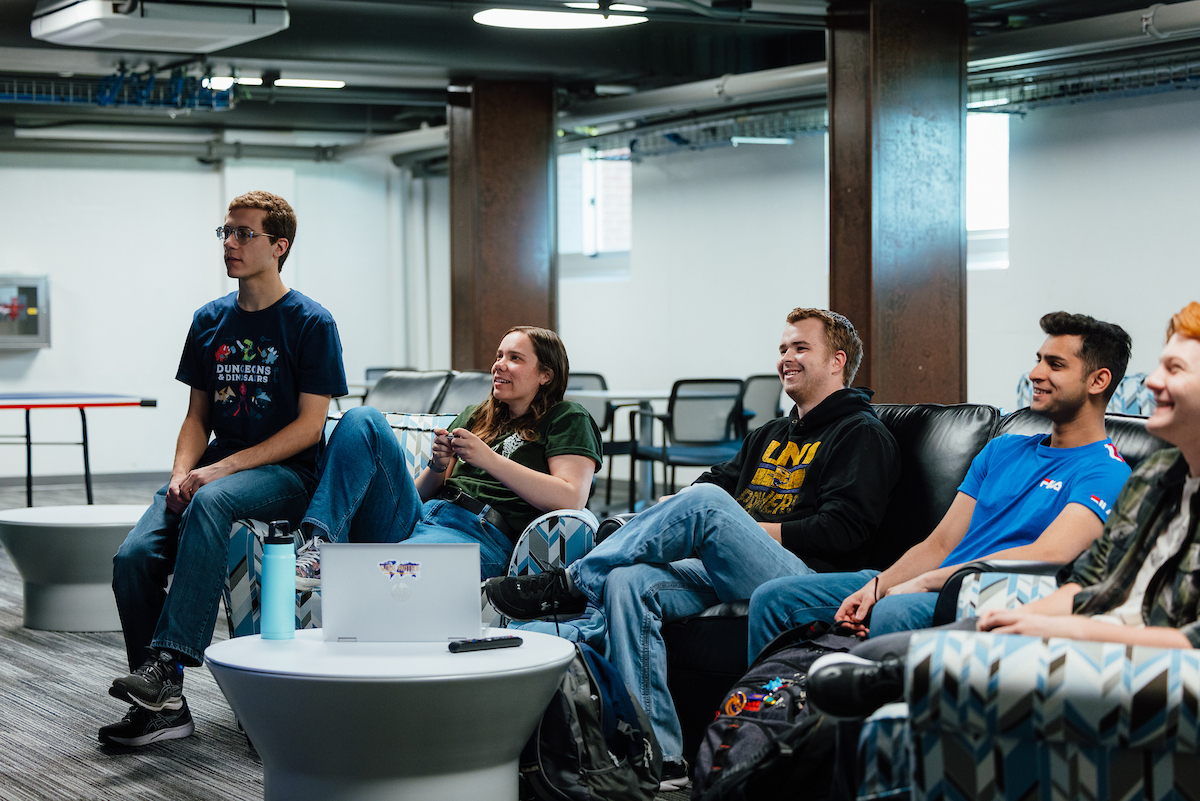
303 584
670 785
173 733
122 694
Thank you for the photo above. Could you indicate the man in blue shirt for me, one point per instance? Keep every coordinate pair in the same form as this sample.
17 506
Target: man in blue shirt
262 364
1025 497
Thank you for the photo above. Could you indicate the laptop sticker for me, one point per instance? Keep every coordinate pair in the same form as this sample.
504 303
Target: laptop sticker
393 569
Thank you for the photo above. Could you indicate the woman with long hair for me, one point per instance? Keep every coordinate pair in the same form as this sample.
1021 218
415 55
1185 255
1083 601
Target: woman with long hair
521 452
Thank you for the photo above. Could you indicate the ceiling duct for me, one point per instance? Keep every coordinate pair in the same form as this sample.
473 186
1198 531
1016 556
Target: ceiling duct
1081 37
1087 36
175 26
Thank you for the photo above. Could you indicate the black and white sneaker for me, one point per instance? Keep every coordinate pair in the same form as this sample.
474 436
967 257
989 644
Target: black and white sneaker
156 685
675 776
547 594
142 727
849 687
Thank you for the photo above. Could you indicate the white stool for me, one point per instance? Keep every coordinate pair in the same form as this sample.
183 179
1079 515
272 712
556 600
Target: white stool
372 721
65 556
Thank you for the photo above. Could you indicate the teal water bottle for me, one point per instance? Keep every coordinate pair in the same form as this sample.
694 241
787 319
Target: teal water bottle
278 613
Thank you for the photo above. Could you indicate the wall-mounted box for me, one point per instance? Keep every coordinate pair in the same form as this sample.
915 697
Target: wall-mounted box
24 311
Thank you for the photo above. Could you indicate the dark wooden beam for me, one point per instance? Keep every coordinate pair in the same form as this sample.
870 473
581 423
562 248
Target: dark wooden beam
897 102
503 252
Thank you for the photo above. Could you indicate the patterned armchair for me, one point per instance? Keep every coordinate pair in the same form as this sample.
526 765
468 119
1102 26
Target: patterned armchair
992 716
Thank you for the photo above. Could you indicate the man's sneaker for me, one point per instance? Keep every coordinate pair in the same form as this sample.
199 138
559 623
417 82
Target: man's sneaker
156 685
547 594
675 776
846 686
308 564
142 727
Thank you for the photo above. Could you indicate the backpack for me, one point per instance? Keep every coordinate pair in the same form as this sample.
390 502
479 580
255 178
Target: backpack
764 744
593 742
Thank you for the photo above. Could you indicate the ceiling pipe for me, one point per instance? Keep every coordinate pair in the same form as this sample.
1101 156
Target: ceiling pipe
428 142
805 80
1081 37
1086 36
422 139
212 150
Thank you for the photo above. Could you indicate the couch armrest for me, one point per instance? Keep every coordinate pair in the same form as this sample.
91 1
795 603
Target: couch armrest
950 603
555 539
1101 695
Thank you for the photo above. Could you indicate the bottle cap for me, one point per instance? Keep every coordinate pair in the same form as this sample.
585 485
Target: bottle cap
278 540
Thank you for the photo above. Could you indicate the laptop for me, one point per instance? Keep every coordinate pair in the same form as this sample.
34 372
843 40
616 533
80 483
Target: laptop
398 592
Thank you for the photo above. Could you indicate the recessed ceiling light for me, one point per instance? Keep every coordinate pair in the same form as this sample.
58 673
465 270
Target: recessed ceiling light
551 20
613 7
304 83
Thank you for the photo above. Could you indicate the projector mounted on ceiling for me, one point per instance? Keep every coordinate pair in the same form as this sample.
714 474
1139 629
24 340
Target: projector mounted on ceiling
176 26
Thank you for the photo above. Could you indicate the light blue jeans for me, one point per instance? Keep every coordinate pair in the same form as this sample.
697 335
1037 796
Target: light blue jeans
785 603
195 547
676 559
366 494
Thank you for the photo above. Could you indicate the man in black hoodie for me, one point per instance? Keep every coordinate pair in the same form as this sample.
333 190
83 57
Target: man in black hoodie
804 494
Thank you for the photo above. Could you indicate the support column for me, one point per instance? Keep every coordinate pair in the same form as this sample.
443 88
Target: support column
897 240
503 252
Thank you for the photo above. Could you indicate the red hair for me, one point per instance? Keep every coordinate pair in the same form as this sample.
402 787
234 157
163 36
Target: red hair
1186 323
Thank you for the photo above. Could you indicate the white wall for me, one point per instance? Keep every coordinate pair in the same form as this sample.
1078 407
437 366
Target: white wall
725 243
1103 211
129 247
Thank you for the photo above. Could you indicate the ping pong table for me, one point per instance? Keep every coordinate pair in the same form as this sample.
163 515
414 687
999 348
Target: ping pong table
60 400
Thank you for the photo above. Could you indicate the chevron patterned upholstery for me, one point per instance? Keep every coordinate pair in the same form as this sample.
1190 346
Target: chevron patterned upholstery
983 591
556 539
414 432
993 716
1002 716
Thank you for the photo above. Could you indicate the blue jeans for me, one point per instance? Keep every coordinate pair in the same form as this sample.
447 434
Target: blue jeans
785 603
678 558
194 546
366 494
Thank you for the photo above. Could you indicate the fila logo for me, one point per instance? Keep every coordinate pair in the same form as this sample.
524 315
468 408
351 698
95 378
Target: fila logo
1050 483
1099 502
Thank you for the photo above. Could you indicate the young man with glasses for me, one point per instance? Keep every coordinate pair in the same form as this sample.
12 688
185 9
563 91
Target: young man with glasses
262 364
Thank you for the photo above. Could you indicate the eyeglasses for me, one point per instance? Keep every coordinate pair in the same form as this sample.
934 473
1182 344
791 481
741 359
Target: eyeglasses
243 233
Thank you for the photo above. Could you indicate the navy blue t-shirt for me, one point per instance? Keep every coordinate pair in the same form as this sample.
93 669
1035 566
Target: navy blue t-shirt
254 365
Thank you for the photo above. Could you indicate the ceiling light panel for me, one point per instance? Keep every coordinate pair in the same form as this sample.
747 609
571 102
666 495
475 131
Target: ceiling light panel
551 20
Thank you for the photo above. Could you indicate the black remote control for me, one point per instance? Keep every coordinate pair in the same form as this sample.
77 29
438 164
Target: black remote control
459 646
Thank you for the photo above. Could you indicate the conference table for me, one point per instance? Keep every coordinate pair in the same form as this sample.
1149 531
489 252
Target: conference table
28 401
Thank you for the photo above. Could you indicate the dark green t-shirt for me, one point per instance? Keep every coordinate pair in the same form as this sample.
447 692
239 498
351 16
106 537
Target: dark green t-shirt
565 429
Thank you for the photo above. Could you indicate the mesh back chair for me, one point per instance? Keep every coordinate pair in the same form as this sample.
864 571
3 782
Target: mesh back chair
760 401
702 427
604 413
465 389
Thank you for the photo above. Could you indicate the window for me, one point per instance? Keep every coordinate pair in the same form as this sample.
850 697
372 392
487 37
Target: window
595 220
987 191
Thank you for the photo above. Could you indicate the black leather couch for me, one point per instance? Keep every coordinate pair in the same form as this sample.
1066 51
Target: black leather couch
706 653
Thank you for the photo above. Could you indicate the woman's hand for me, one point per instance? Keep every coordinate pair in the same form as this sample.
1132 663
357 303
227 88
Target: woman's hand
471 449
442 452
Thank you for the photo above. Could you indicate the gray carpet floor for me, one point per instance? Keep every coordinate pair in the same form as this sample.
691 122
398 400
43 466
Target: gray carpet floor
53 698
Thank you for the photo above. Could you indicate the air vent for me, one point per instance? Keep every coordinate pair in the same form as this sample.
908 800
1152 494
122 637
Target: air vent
189 26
